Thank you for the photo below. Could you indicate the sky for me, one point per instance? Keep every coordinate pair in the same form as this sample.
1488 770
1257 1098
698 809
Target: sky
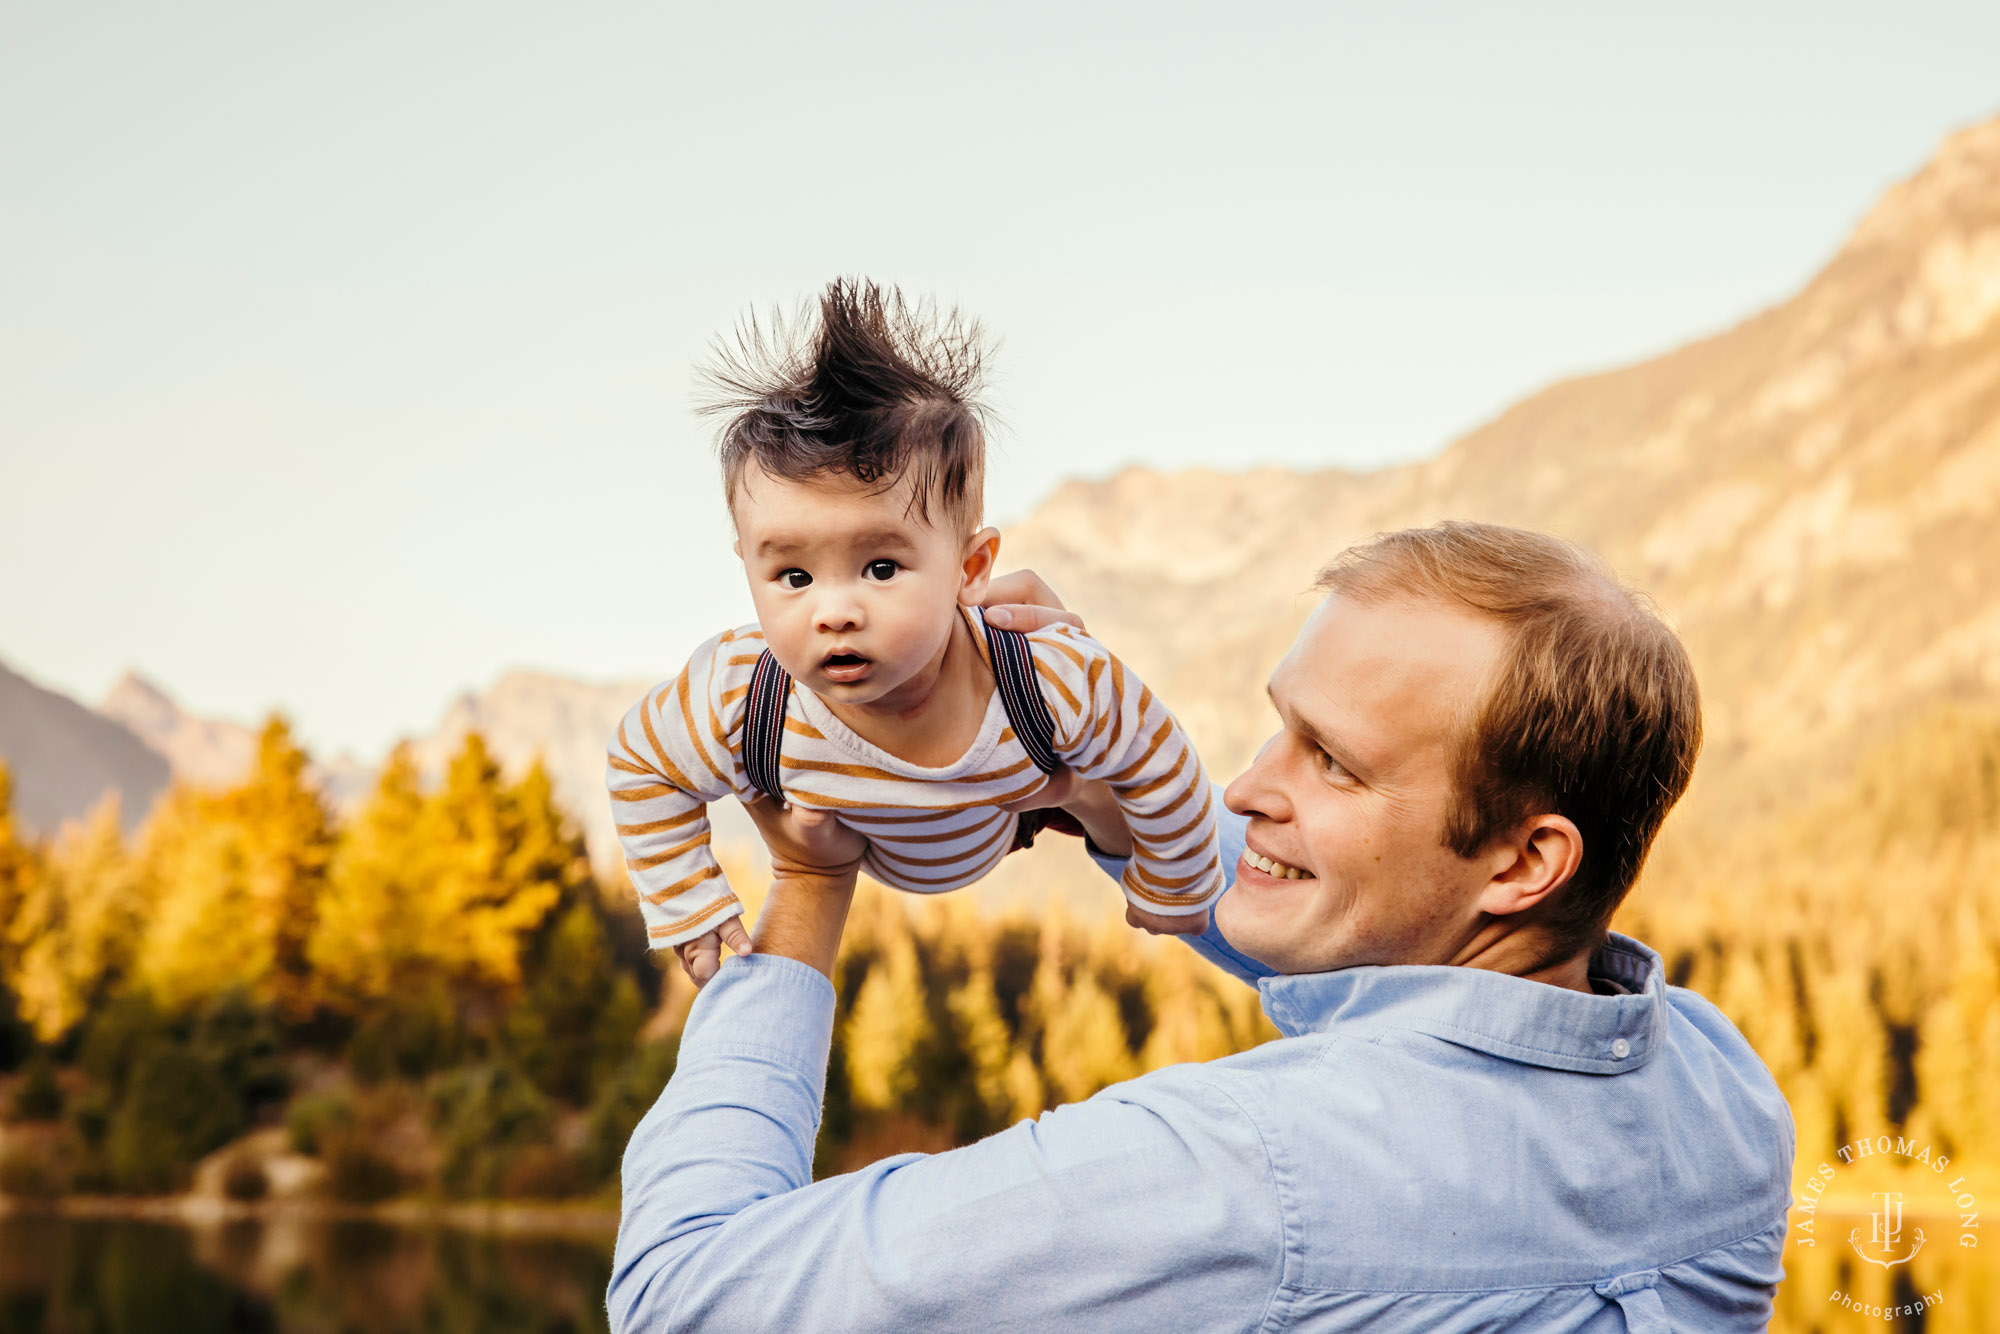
347 353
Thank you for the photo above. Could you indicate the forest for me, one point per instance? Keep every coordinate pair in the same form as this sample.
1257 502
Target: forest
435 998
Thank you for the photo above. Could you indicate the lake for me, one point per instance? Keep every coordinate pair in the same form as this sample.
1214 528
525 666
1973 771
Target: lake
72 1276
93 1276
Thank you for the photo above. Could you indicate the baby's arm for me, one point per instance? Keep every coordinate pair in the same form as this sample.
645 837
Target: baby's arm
670 758
1110 726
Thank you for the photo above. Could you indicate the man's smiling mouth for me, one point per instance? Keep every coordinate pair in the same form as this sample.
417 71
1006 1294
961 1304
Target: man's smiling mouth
1272 867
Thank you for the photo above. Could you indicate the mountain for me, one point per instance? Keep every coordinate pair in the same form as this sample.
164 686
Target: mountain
563 722
65 758
1813 497
199 750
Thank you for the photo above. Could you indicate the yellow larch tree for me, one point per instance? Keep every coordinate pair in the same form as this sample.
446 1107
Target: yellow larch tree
78 925
235 879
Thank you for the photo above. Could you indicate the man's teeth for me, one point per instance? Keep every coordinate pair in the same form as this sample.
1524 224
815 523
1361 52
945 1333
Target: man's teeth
1277 868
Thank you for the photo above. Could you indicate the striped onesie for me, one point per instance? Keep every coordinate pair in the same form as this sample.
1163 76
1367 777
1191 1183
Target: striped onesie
928 830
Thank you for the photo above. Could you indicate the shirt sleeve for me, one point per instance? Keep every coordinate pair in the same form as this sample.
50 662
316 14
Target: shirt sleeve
1110 726
1211 944
673 754
1150 1206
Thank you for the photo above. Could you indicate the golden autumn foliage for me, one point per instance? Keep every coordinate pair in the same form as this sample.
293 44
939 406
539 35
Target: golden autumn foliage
451 931
440 887
77 926
233 883
1857 944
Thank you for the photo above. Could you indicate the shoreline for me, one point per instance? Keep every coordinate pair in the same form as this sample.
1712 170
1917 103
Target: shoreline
507 1218
504 1217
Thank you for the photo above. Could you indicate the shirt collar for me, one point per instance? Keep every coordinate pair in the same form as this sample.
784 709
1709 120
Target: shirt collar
1531 1022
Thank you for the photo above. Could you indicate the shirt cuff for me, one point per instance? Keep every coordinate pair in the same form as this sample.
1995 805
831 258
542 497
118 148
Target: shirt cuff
767 1005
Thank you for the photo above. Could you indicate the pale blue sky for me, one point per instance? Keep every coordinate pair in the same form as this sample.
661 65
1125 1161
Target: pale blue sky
345 351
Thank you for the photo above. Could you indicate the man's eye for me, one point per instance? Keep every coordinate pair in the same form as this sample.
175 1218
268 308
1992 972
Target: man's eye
880 570
795 578
1331 767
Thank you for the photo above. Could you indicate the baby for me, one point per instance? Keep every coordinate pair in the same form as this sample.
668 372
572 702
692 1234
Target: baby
871 686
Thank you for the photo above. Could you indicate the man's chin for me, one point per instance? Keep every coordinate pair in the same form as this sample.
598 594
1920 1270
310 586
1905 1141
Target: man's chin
1249 932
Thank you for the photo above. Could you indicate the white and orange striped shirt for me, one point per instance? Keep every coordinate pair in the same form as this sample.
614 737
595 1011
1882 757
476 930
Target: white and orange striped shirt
929 830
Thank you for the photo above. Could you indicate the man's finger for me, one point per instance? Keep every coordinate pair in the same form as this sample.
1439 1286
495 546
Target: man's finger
734 936
1023 587
1060 787
1022 618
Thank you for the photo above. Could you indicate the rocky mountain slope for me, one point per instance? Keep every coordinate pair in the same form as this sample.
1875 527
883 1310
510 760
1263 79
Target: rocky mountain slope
65 758
1813 496
565 723
201 751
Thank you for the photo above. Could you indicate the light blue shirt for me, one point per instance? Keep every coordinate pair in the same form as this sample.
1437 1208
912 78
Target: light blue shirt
1425 1149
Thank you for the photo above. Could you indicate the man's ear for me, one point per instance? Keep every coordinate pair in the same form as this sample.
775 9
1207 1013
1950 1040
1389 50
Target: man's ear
1531 864
976 565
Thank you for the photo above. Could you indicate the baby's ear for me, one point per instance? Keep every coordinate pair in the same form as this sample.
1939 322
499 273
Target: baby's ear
976 565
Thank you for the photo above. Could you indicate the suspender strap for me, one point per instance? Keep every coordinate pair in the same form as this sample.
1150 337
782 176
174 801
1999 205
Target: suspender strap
1021 696
1013 674
764 725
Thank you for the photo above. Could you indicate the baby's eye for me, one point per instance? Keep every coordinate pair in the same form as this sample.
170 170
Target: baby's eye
795 578
880 570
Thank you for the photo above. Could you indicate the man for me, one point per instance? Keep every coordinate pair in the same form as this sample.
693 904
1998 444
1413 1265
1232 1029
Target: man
1485 1113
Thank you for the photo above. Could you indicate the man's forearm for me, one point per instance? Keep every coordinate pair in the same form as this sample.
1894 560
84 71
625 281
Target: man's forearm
803 917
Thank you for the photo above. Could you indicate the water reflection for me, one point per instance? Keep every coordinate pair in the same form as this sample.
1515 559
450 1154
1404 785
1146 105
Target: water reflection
1964 1281
63 1276
68 1276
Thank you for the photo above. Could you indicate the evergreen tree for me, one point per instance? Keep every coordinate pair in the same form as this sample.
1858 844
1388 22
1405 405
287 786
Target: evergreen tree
576 1022
886 1030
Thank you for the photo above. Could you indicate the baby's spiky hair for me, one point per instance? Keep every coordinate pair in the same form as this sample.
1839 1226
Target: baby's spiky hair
869 386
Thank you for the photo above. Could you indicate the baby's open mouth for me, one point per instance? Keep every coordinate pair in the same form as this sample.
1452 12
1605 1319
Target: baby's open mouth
843 667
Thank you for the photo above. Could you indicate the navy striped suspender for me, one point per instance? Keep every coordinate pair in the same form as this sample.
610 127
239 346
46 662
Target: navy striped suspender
764 725
1021 696
1013 674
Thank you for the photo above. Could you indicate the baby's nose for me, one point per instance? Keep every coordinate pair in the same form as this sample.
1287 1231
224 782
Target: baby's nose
837 613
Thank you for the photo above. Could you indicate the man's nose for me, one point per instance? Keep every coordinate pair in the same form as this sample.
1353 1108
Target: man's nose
1259 790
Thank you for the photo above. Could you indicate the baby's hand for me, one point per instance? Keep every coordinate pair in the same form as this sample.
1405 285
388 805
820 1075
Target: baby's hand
1187 924
703 955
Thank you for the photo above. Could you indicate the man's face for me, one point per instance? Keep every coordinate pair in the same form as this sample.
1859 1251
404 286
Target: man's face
856 596
1347 802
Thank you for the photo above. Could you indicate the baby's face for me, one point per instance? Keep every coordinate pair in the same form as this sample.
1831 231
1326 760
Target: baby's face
856 596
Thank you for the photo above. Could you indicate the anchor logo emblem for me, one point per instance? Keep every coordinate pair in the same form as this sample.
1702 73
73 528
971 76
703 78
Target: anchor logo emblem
1886 1233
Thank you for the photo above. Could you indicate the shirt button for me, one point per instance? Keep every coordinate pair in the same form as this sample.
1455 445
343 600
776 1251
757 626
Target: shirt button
1621 1048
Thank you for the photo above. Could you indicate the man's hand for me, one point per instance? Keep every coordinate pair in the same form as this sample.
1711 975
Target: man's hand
1021 601
814 861
1093 804
804 842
